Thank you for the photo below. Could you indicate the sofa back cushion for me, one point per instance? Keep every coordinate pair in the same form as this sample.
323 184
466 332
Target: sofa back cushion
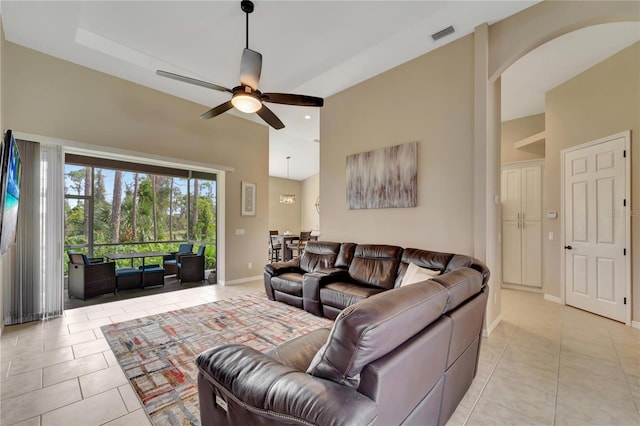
372 328
433 260
319 255
375 265
345 256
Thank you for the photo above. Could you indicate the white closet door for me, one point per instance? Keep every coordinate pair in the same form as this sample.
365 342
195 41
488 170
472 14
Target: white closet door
532 253
511 252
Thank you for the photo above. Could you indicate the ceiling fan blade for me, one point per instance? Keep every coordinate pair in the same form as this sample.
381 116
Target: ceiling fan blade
291 99
272 120
217 110
192 81
250 68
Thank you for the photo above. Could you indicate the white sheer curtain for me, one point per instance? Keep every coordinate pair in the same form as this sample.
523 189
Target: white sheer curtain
51 230
34 289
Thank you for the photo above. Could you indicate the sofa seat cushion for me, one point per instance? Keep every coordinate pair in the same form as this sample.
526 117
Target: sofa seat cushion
341 294
289 283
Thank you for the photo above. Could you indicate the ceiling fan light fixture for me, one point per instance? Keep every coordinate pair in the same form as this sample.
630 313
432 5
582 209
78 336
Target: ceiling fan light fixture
246 102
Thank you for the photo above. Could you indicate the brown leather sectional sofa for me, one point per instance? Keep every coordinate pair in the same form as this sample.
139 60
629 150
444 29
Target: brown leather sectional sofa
329 276
394 356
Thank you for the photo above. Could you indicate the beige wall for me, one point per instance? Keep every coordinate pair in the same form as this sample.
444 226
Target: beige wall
600 102
55 98
514 131
428 100
284 217
434 100
310 219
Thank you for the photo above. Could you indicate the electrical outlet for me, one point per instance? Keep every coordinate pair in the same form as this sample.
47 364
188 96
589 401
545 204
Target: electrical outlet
250 265
551 235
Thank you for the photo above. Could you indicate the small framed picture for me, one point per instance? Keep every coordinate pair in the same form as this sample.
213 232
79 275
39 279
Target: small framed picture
248 199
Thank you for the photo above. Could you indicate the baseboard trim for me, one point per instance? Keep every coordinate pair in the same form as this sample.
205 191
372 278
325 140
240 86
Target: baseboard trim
554 299
241 280
635 324
487 332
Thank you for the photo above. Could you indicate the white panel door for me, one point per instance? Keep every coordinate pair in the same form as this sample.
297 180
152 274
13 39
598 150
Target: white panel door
511 252
511 194
531 178
531 253
595 228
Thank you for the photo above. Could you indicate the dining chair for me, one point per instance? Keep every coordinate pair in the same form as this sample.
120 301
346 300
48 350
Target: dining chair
299 245
170 261
191 266
90 279
274 246
86 259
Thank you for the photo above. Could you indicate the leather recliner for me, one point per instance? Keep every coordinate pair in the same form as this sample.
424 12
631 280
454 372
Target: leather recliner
403 356
283 281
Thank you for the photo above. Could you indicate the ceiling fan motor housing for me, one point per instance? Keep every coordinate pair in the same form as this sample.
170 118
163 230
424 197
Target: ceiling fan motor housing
246 6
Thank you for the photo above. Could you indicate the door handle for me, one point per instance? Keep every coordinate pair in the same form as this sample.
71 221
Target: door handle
568 247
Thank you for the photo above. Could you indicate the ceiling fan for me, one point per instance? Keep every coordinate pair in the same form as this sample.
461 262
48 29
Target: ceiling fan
246 97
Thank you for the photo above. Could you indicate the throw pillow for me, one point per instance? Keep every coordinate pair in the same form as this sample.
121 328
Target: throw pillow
415 274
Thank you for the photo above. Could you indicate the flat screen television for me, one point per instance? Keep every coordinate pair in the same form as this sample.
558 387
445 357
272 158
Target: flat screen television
11 166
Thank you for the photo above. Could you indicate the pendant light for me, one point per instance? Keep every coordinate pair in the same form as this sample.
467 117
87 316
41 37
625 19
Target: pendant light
288 198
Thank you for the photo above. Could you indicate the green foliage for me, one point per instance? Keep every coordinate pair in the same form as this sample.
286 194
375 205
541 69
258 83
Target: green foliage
171 219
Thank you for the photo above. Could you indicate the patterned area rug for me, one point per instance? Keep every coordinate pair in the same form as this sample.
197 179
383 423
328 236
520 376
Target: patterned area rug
157 353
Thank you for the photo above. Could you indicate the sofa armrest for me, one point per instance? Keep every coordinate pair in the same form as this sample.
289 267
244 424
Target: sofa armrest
461 284
312 282
256 389
279 268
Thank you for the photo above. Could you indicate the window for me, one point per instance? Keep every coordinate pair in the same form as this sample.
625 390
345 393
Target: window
113 207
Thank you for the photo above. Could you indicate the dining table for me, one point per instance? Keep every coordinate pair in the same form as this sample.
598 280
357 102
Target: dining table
283 240
136 255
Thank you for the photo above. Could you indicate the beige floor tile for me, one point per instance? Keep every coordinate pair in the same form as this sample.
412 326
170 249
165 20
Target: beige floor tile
526 390
110 357
129 397
137 418
33 421
101 381
68 340
93 347
139 307
161 309
493 413
88 325
95 410
634 385
4 367
129 316
591 365
98 333
105 313
590 398
601 350
20 384
32 404
41 360
25 346
528 356
73 368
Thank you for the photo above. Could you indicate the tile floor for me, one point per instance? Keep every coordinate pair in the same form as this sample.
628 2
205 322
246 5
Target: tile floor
545 364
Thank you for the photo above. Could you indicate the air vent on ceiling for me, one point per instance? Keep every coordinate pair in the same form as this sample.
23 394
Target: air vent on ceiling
443 33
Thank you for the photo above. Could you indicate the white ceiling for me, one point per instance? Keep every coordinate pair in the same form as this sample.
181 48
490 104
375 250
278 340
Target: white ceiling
315 48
